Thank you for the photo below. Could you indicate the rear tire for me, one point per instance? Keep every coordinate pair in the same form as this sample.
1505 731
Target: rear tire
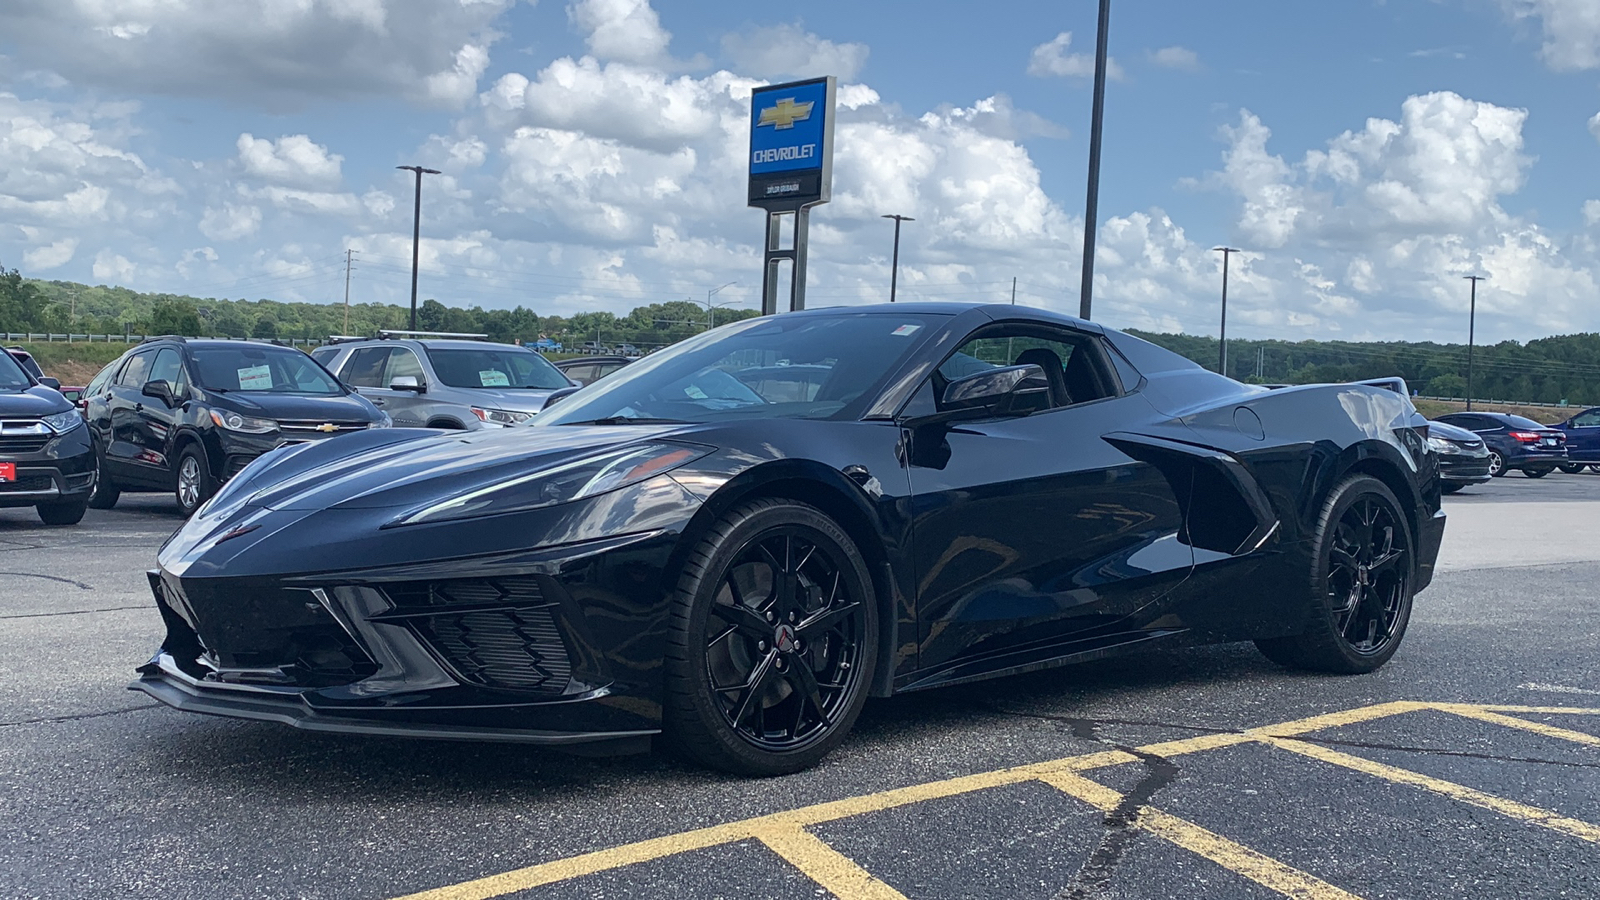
772 641
63 512
105 494
1360 581
1571 468
1537 473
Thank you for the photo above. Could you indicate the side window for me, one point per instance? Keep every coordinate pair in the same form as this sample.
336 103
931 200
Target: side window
99 381
1590 419
1072 362
581 374
365 367
168 367
133 374
403 363
324 355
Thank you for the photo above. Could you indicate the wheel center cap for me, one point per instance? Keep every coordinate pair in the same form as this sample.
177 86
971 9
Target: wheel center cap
783 638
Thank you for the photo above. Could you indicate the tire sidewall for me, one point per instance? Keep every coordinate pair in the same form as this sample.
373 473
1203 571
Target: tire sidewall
207 486
1324 618
705 734
1497 463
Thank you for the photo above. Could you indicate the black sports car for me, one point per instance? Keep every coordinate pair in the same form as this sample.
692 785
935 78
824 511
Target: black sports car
971 491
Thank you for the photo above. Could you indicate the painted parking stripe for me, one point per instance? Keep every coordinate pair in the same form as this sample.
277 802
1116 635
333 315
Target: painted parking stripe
784 832
1522 812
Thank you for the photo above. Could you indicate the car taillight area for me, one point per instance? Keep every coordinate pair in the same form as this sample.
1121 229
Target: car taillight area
1546 438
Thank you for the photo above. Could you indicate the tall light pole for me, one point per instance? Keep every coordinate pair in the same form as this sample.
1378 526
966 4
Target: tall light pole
1097 117
1472 325
416 235
1222 342
712 293
894 267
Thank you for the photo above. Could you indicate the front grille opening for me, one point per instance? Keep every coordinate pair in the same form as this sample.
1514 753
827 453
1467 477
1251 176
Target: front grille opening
493 632
26 485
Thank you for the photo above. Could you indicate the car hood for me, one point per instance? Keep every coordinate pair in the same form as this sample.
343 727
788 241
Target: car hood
529 400
35 402
343 407
1451 432
403 467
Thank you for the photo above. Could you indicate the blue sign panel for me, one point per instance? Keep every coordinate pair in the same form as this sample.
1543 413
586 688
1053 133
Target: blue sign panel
791 143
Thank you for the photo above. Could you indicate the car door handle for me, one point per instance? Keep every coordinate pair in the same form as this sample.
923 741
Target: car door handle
374 402
138 407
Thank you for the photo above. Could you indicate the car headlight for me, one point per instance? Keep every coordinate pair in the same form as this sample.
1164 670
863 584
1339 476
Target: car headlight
1440 445
244 424
561 483
63 422
505 417
384 421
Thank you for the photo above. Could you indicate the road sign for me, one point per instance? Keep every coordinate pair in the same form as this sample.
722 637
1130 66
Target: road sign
791 144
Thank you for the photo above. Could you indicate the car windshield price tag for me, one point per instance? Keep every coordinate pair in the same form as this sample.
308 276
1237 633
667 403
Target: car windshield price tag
493 378
8 472
255 378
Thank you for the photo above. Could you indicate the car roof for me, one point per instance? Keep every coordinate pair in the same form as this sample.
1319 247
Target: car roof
589 360
957 307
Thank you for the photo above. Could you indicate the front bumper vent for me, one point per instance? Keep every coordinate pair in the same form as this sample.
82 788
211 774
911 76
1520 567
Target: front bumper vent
496 633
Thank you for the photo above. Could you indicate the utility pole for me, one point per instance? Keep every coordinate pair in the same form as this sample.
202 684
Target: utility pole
348 254
894 267
1097 118
416 235
1013 290
1472 325
1222 342
712 293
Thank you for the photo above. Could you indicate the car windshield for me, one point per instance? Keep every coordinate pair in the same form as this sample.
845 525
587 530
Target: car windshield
12 378
259 369
495 367
735 371
1518 422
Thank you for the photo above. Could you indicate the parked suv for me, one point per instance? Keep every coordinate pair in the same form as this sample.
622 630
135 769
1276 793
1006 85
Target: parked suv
1583 440
1514 442
186 415
45 458
446 383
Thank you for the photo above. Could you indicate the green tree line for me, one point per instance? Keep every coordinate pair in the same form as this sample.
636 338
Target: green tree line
1546 370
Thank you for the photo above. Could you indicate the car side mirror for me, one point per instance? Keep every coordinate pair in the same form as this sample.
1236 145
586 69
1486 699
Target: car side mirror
52 383
160 390
406 383
557 396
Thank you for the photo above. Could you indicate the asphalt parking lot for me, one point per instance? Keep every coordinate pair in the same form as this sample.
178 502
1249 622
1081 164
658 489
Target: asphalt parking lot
1468 767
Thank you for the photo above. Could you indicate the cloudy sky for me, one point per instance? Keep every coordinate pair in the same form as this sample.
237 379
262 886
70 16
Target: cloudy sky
1365 154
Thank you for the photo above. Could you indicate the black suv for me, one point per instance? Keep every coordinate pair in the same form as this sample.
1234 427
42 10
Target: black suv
186 415
45 458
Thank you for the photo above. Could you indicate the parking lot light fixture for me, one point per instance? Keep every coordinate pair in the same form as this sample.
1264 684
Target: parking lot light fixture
1472 323
709 306
416 235
894 267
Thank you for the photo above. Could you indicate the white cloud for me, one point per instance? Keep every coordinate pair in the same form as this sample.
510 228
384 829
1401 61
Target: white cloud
50 255
1591 212
1594 126
1176 58
626 31
783 52
1571 31
272 53
292 160
230 222
1052 59
113 268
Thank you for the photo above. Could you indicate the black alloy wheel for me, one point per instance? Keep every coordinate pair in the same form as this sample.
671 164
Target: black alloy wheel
773 641
1537 473
1571 468
1361 581
1497 463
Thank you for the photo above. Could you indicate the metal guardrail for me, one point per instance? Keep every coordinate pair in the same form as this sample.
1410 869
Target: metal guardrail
33 337
1501 402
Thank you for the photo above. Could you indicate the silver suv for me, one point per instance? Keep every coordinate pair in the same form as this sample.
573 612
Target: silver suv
428 380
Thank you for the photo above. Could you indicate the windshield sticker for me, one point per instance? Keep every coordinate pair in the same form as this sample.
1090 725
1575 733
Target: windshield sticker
255 378
905 330
695 392
493 378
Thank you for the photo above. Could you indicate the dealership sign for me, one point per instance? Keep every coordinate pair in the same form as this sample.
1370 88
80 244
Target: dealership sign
791 144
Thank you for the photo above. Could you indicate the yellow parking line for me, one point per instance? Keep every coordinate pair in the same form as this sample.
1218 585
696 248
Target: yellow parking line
825 865
1235 857
1547 710
1551 731
1533 815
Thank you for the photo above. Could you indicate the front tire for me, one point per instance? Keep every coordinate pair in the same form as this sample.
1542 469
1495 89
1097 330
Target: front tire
772 641
193 482
62 512
105 494
1360 580
1450 487
1497 463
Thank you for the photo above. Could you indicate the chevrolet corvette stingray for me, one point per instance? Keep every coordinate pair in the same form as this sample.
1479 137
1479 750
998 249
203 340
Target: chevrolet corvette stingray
951 492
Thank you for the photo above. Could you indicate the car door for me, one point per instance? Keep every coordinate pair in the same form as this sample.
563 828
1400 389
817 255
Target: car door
367 369
158 422
1583 436
1031 532
125 457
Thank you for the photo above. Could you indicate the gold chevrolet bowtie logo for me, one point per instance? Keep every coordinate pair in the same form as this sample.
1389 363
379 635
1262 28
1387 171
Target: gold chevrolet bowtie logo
326 427
785 113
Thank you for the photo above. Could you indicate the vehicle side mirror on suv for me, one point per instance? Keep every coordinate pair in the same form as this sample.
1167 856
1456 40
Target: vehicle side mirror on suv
161 391
52 383
558 395
406 383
